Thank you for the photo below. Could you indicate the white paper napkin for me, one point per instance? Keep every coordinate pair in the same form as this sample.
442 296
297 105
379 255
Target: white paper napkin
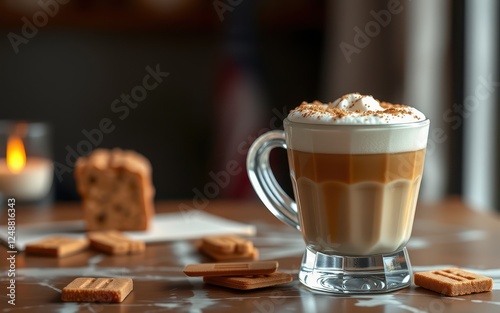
165 227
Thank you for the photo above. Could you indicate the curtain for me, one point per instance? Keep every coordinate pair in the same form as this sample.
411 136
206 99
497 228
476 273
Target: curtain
440 57
395 51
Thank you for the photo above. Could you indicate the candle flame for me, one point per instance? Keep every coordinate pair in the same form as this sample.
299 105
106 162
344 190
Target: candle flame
16 155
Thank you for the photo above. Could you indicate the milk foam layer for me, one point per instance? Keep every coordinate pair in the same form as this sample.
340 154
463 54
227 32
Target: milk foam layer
353 109
318 128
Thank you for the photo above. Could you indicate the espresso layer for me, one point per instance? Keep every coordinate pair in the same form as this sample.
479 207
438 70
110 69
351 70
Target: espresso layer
354 168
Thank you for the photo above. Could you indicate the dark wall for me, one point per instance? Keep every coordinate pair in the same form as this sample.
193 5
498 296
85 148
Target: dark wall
71 76
71 79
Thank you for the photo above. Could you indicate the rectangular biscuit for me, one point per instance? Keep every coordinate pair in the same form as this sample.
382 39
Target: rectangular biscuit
453 282
231 269
57 246
114 242
251 255
87 289
227 244
249 282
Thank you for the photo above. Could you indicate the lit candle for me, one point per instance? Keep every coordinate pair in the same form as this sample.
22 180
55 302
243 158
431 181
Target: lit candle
23 178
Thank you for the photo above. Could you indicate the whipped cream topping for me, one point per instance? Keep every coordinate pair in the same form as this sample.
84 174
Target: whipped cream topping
355 108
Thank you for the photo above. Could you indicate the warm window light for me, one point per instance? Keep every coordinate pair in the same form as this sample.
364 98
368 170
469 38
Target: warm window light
16 155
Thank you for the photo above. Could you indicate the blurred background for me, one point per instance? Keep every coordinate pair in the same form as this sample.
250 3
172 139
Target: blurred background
190 84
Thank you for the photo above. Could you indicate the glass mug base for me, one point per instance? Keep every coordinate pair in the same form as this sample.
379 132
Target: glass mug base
355 274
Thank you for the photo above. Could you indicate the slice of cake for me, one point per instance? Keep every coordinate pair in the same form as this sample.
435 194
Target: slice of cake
116 189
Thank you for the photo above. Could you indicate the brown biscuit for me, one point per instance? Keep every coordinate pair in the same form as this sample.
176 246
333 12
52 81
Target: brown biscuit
227 244
231 269
85 289
57 246
249 282
453 282
251 255
114 242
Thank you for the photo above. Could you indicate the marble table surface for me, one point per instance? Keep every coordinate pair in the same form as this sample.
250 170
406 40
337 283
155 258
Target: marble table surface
445 234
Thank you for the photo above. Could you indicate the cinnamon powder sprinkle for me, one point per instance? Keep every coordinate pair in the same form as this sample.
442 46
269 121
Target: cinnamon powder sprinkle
318 108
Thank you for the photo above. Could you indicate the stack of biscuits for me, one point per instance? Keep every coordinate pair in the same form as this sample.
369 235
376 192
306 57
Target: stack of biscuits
241 276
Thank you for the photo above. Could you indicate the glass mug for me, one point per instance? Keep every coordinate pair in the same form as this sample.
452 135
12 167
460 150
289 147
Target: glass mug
356 188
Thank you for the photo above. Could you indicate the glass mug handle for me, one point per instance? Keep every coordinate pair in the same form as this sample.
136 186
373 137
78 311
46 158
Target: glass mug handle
263 181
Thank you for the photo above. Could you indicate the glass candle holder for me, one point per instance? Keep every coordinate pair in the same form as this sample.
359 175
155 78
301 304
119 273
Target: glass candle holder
26 166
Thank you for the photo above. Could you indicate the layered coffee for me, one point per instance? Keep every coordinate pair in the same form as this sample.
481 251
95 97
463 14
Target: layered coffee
356 166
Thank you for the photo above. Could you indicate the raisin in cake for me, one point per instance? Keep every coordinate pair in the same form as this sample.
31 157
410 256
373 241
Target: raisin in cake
116 189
